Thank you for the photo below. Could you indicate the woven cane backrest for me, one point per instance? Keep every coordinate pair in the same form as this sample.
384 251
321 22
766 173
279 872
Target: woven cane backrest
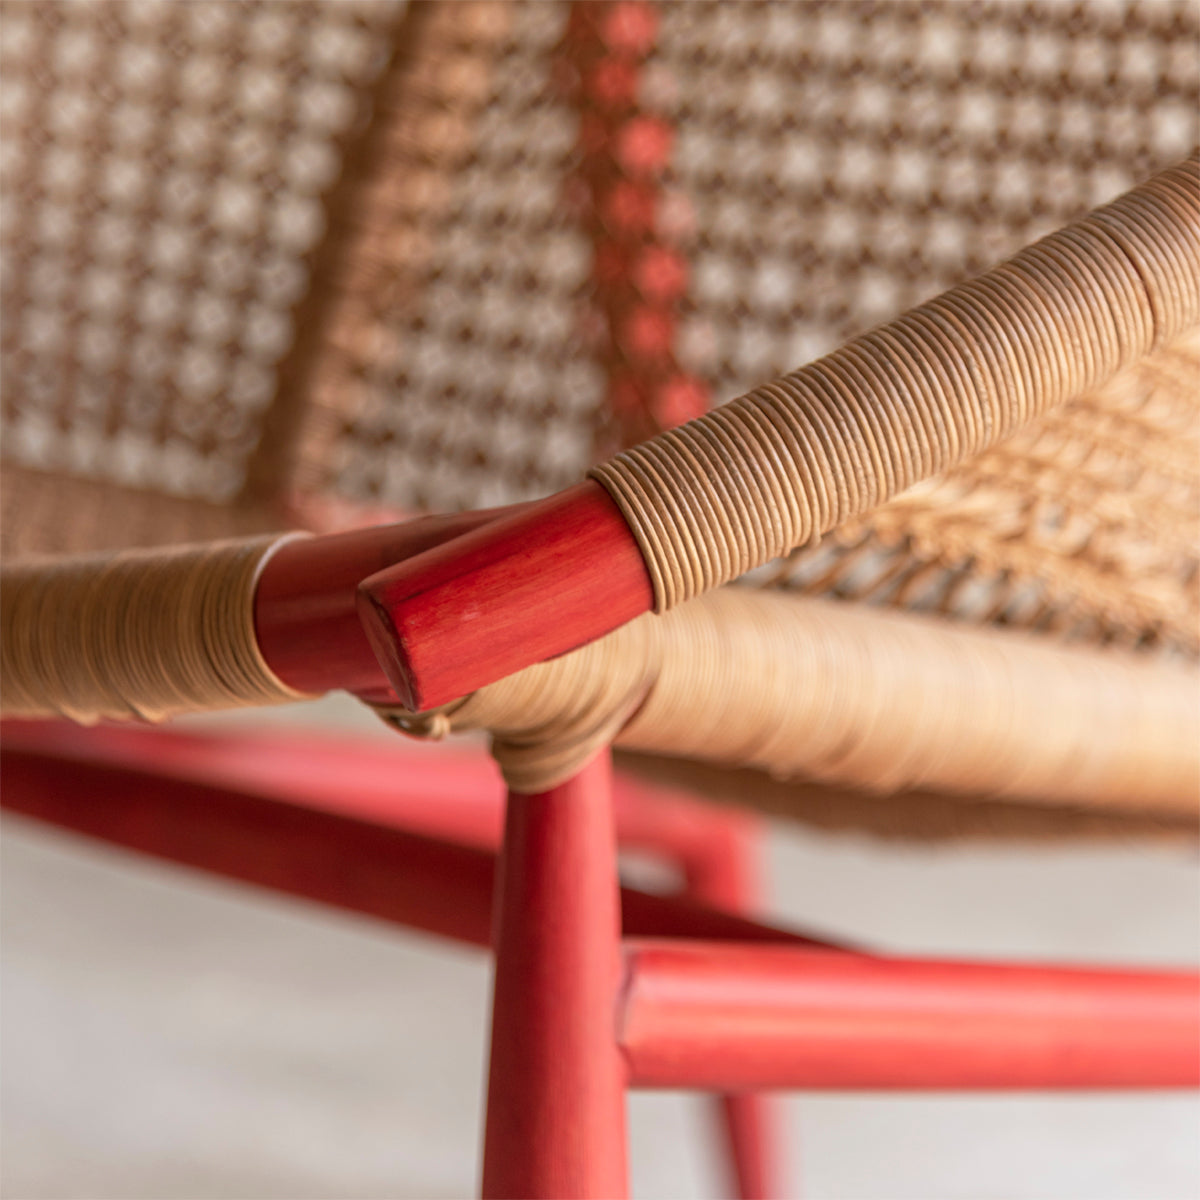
567 226
164 170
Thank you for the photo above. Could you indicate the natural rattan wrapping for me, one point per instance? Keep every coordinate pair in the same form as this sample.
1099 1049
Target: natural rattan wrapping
140 633
801 455
164 168
833 164
1084 525
220 280
886 702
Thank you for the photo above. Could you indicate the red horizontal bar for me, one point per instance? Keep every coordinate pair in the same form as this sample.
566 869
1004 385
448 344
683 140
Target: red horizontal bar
560 573
722 1017
733 1017
442 789
449 790
301 849
404 878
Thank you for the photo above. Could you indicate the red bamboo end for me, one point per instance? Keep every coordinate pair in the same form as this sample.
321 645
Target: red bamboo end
304 610
557 574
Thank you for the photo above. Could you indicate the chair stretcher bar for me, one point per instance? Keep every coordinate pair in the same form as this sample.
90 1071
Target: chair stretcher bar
735 1005
723 1016
363 858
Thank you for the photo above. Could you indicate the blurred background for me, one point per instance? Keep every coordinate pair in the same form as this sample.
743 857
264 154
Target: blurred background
305 262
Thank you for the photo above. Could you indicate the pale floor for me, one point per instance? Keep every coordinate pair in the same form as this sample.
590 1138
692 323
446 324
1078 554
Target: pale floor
172 1037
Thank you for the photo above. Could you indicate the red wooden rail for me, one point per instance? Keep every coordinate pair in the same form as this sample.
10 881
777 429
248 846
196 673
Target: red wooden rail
350 849
437 789
419 824
729 1017
745 1007
558 574
305 609
767 1008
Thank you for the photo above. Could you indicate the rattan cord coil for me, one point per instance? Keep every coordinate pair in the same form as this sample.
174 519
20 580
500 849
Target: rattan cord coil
797 457
145 634
877 700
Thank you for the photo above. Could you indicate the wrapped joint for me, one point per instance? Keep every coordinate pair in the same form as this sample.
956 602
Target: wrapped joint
868 699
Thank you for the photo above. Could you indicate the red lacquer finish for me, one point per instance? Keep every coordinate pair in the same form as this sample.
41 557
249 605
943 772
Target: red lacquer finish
558 574
728 877
749 1124
404 878
195 798
443 789
556 1091
725 1016
305 614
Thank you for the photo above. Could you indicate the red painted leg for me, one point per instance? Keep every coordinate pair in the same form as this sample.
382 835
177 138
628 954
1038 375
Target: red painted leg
556 1092
729 877
752 1143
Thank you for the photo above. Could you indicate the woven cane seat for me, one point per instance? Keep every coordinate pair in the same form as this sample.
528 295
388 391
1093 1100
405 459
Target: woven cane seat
439 256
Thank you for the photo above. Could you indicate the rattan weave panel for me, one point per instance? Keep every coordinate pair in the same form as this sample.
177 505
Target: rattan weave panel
164 166
823 166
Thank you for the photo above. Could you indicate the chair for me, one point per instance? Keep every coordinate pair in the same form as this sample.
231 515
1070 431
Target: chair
439 257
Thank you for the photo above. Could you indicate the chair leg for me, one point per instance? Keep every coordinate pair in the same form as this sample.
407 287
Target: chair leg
556 1090
729 875
751 1144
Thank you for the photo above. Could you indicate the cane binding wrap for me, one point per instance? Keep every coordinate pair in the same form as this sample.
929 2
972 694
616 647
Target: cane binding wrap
797 457
142 633
448 355
885 702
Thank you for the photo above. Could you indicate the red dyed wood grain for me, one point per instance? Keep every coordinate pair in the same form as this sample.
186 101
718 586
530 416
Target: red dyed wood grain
554 576
305 615
210 802
400 877
769 1011
556 1083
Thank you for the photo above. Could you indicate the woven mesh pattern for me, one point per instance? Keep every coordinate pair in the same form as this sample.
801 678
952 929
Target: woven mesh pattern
831 165
1085 524
847 161
455 372
164 166
563 228
817 181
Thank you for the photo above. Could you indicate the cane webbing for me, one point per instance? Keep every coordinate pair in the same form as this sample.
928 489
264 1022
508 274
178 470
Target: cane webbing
831 165
164 172
881 701
795 458
140 633
1084 525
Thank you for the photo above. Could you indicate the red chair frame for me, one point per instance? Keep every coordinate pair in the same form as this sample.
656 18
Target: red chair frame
599 988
